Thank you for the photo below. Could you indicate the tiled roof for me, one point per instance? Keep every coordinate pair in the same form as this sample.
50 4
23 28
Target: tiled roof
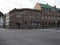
1 14
22 10
46 6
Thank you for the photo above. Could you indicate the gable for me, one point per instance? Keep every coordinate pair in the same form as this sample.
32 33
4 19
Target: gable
37 6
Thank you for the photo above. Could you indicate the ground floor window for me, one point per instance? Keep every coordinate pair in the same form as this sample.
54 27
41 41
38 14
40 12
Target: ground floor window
18 25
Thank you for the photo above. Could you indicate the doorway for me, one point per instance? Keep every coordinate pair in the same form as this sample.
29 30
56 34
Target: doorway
18 25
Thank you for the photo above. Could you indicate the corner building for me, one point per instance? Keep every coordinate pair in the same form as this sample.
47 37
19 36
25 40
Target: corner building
44 16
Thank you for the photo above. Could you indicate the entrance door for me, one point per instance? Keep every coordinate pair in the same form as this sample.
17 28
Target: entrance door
18 25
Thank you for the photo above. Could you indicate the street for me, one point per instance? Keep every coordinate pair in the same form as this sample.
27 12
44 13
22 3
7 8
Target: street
29 37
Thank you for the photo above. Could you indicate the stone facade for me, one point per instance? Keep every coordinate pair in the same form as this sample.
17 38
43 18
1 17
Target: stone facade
32 19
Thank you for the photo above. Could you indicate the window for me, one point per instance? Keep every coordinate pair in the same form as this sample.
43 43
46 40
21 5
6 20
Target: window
7 20
25 22
55 14
7 23
22 12
49 9
53 18
33 23
49 17
42 17
42 13
7 17
1 21
19 16
45 17
31 16
57 18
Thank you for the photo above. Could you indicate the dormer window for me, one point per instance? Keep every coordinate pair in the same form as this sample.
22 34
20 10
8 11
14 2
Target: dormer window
19 16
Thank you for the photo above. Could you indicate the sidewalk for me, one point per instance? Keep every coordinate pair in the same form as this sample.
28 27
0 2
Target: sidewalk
51 30
2 29
46 30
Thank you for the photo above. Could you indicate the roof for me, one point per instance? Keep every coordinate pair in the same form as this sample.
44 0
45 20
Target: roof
46 6
1 14
22 10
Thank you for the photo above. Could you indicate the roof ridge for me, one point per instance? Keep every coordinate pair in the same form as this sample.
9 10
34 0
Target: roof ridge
45 4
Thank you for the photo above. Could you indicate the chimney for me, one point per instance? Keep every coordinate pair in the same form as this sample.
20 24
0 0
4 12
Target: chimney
54 6
46 3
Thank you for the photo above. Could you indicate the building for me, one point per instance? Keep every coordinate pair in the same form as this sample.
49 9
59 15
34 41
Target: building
42 16
1 20
53 10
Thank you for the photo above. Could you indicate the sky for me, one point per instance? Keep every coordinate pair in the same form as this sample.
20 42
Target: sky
7 5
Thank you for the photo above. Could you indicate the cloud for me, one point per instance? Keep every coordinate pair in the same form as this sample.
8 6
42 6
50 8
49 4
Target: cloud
58 3
7 5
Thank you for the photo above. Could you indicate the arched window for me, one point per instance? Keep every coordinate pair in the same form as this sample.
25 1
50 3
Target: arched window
49 17
45 17
42 17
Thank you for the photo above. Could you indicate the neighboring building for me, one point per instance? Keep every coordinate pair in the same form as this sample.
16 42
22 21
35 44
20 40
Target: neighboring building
1 20
49 8
32 19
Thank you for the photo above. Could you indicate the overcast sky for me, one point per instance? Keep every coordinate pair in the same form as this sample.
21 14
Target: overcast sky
7 5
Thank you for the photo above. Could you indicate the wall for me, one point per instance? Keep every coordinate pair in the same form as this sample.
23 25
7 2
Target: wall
1 21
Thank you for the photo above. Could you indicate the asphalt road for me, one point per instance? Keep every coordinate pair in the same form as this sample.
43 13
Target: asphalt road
29 37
